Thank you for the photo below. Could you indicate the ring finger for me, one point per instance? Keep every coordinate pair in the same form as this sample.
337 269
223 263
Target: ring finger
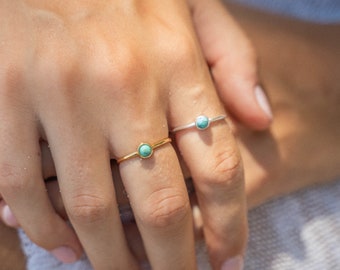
211 154
157 192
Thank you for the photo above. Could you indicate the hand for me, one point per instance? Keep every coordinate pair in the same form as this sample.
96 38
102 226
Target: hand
76 75
299 151
302 82
131 231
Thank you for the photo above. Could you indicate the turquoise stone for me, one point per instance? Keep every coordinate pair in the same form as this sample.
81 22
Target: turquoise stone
202 122
145 150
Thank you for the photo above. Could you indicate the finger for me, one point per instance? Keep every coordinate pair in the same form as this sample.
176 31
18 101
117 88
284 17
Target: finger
51 180
197 217
125 211
23 189
126 214
233 64
7 215
48 168
215 165
157 192
135 242
54 195
130 228
133 236
84 176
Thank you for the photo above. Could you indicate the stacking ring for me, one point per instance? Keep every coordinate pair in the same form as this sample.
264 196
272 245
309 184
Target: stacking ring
202 122
144 150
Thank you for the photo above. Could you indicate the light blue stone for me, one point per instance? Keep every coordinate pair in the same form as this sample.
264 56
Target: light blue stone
202 122
145 150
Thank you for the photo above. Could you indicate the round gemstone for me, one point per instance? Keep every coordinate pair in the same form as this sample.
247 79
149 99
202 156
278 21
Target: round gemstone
202 122
145 150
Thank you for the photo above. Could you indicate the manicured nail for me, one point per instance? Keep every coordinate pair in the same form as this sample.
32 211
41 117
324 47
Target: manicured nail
262 100
8 217
64 254
233 264
196 212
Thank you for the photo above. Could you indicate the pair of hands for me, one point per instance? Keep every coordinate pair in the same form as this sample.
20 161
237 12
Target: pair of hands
94 79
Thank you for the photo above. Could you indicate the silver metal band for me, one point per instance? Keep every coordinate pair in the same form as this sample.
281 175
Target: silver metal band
202 122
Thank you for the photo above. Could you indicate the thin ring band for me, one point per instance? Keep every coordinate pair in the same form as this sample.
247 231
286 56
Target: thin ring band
202 122
145 150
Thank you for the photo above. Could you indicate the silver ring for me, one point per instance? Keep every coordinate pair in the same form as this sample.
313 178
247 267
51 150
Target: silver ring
202 122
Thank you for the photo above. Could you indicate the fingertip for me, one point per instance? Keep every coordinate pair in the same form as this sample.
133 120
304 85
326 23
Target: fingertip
263 102
260 116
70 250
235 263
8 217
198 221
249 105
239 90
65 254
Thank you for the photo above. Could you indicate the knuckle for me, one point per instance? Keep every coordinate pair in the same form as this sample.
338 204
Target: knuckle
225 169
164 208
116 70
62 72
119 80
245 49
186 52
180 51
250 51
88 208
11 79
249 70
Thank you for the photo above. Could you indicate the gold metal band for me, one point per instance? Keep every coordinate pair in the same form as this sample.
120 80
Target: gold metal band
145 150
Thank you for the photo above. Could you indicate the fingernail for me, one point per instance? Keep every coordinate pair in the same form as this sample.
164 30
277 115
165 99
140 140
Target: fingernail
64 254
233 264
196 212
8 217
262 100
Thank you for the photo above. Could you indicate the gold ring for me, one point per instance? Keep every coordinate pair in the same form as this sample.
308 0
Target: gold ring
145 150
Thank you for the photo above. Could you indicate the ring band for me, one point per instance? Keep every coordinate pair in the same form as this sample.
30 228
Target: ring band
144 150
202 122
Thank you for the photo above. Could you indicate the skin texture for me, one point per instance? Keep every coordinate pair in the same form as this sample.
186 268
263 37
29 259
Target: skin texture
11 256
301 123
66 81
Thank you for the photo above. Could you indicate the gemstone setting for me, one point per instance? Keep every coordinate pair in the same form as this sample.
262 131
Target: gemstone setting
144 150
202 122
